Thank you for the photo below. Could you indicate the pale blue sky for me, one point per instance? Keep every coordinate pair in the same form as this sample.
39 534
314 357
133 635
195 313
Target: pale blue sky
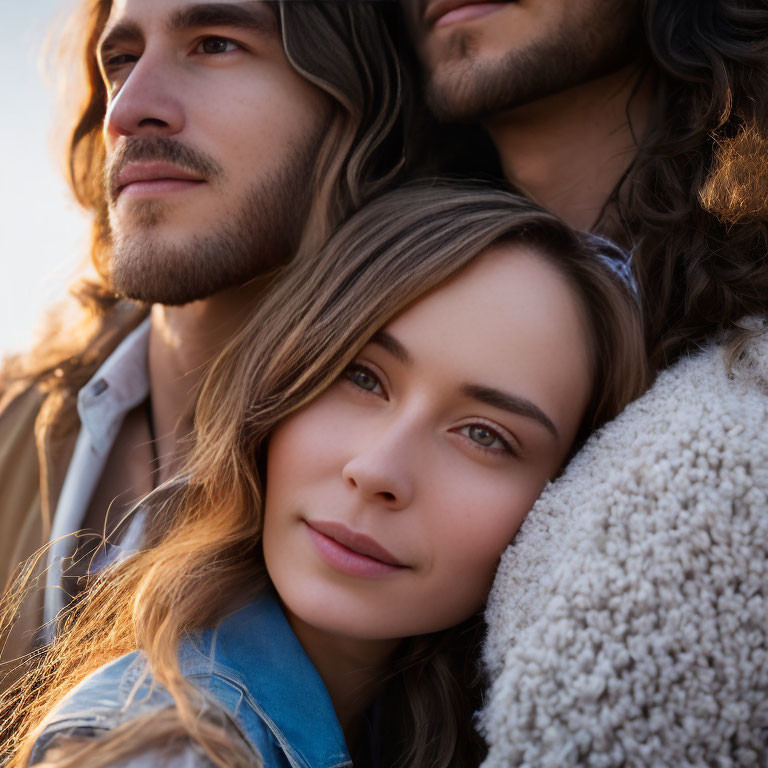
43 234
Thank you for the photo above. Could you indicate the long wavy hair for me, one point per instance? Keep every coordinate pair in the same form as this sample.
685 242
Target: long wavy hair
695 199
203 535
348 49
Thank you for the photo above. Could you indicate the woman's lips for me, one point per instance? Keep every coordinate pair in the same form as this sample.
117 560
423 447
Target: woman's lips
352 553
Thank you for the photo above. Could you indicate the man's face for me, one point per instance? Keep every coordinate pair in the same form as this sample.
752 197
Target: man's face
209 137
481 58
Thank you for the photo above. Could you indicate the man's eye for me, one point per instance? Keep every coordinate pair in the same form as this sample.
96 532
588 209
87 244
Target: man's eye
114 65
116 68
364 378
215 45
119 60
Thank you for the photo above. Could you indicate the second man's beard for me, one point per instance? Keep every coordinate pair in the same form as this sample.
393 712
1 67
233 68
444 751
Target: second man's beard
468 88
263 233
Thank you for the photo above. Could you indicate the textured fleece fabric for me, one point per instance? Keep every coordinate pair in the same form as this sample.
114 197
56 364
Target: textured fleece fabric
628 623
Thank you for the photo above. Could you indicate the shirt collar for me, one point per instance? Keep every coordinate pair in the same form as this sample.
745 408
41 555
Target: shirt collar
120 384
259 646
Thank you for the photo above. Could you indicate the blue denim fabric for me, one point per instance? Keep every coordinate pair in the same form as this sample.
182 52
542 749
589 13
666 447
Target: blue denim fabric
251 665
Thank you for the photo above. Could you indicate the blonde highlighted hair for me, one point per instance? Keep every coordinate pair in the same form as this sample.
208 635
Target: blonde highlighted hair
204 529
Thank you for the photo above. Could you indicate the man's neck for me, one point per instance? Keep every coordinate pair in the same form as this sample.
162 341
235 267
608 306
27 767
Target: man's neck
182 342
569 150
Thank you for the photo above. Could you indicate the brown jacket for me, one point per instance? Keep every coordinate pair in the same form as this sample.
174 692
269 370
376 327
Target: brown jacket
34 456
38 431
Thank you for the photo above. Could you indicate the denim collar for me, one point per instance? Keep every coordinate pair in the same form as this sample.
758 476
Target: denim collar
257 648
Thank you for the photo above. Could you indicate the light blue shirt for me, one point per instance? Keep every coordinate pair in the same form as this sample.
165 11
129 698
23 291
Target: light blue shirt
250 667
120 384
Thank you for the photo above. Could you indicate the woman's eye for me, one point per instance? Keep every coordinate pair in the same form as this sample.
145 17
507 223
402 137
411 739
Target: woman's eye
363 378
483 436
487 439
215 45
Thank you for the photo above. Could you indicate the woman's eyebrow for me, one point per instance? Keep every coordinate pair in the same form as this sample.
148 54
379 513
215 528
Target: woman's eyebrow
520 406
392 345
252 15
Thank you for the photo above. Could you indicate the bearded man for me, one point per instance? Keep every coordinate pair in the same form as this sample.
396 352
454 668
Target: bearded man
644 121
217 140
627 625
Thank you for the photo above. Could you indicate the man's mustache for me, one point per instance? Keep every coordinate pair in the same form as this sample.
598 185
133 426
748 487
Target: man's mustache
156 148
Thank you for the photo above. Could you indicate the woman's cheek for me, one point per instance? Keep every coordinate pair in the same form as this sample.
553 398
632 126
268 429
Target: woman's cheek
468 533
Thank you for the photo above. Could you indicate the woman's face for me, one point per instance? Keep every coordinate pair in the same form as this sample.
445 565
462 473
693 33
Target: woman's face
391 497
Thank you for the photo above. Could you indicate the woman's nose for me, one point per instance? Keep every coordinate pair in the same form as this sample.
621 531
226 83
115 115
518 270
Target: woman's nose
147 103
383 471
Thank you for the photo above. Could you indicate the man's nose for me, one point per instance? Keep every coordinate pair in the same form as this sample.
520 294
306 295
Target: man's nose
383 471
147 103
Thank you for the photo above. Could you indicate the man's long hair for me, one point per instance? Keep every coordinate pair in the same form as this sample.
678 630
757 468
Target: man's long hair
348 49
695 200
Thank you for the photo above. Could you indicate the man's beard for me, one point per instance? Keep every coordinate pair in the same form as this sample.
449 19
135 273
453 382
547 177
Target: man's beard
262 234
466 89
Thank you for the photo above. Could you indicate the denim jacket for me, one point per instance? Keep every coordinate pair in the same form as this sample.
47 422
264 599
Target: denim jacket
251 665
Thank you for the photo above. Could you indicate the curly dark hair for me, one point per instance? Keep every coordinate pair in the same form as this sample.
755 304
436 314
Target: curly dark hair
695 200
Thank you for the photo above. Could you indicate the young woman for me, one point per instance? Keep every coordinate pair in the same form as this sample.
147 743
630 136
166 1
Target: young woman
311 589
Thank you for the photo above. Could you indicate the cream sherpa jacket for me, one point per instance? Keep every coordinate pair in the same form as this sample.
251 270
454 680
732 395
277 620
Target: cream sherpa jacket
628 623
